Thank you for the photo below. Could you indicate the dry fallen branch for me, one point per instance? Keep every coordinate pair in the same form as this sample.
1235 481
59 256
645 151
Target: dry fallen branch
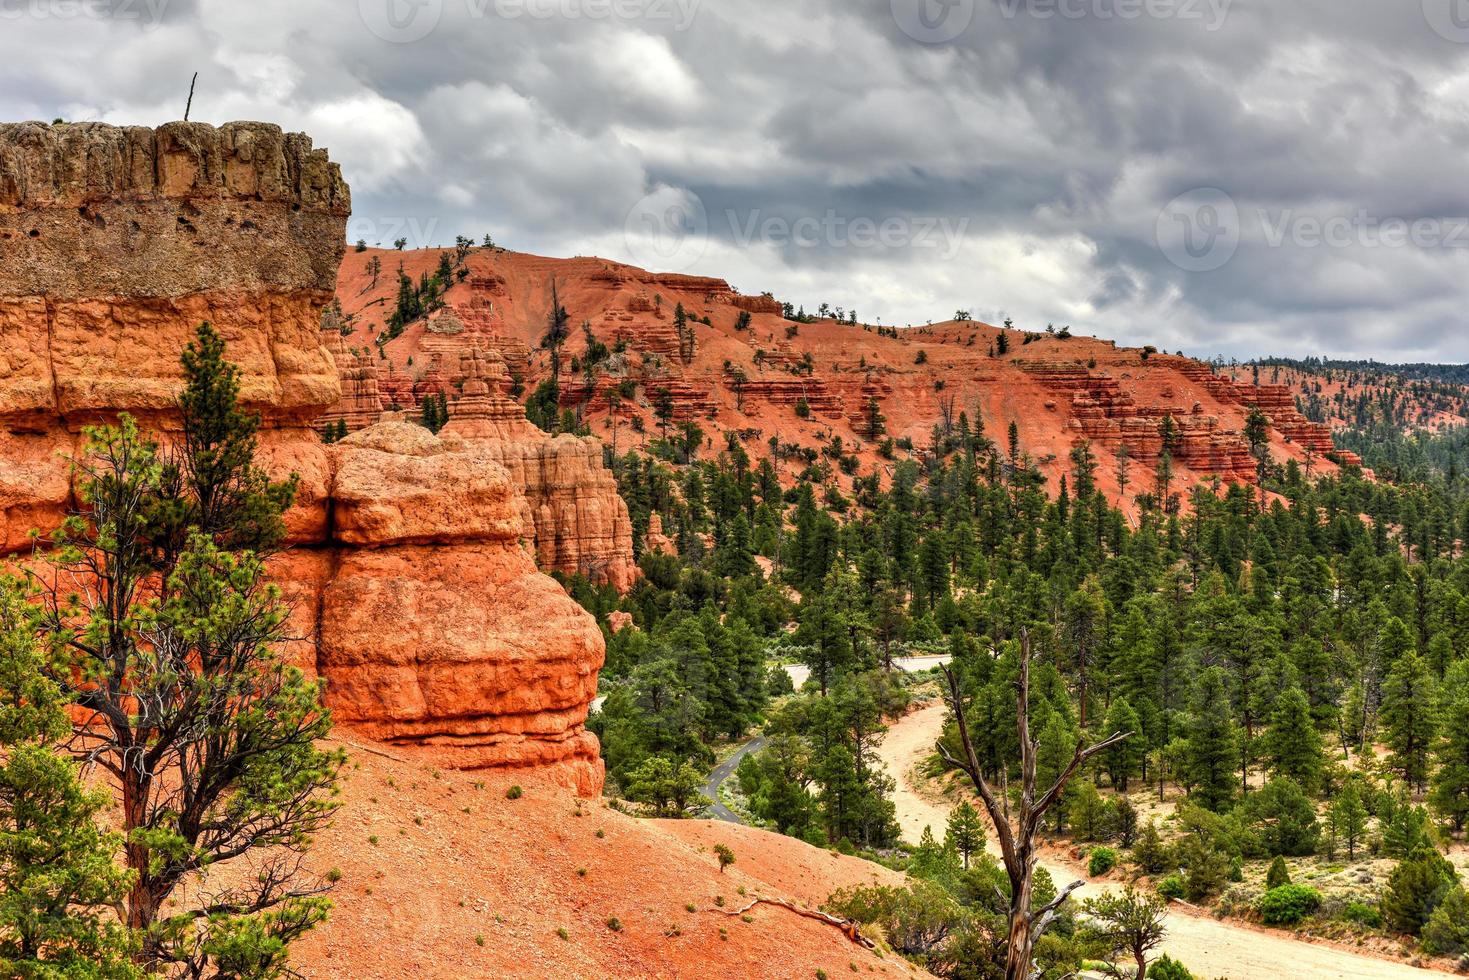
847 926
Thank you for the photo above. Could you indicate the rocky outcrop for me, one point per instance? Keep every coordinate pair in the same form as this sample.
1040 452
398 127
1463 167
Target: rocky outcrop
413 597
488 663
117 243
576 521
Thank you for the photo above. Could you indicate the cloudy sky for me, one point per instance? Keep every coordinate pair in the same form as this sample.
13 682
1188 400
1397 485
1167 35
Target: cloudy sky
1231 177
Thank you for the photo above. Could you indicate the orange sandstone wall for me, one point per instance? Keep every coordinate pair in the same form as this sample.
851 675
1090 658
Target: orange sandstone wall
413 595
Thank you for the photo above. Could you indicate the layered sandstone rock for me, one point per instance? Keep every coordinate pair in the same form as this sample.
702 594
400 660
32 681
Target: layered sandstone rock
488 663
412 595
576 521
116 244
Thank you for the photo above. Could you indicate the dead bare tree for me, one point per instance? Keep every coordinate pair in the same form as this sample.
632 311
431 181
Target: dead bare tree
1017 836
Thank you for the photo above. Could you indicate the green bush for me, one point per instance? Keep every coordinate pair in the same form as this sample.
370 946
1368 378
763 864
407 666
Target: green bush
1167 968
1102 860
1288 904
1278 874
1415 888
1363 915
1171 886
1446 933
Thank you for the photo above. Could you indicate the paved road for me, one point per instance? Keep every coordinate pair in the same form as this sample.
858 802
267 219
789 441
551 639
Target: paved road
722 772
799 672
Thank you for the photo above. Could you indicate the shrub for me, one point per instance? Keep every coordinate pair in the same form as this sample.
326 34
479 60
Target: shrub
1167 968
615 924
1288 904
1363 915
1102 860
725 855
1150 852
514 793
1446 933
1171 886
1416 887
1278 874
1284 817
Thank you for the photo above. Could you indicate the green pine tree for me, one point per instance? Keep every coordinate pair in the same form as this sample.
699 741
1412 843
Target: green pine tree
1348 817
1450 793
1212 743
58 882
965 831
1292 743
1408 718
182 619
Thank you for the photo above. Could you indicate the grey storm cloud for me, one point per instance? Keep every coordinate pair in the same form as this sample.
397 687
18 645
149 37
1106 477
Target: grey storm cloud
1040 159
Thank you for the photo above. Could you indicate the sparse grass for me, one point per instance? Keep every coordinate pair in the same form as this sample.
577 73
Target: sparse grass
614 924
561 931
479 940
690 907
581 872
334 875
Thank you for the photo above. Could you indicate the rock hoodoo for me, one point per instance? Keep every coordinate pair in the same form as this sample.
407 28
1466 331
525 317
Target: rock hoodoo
416 600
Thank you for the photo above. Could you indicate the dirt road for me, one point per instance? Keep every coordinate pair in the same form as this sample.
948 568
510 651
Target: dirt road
1206 946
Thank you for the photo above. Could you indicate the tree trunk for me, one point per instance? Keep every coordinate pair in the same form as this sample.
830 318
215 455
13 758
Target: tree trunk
1018 951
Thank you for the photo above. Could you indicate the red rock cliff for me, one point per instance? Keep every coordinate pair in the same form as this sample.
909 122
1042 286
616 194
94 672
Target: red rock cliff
413 594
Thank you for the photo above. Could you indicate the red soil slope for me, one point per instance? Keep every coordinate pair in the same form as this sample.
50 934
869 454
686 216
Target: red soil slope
442 876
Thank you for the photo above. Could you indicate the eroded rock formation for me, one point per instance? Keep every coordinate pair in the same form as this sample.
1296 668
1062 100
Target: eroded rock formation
413 596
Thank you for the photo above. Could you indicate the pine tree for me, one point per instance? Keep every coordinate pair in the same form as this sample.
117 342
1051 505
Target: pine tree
1408 718
965 831
1450 794
1125 758
58 882
1348 817
1292 743
1212 743
181 618
1415 888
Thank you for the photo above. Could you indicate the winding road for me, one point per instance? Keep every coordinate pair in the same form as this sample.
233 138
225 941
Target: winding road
718 811
1208 947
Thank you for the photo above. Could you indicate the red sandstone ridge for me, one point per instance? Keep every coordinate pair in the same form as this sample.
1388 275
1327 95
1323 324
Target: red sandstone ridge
1058 391
419 605
575 521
